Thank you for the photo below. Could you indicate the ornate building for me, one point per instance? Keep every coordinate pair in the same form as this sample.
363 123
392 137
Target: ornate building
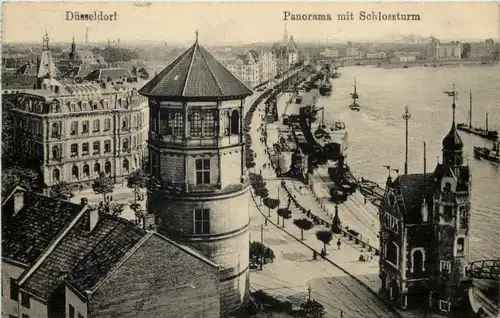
424 239
196 150
79 130
254 67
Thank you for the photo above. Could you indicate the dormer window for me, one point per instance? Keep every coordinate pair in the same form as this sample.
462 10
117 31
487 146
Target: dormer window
445 267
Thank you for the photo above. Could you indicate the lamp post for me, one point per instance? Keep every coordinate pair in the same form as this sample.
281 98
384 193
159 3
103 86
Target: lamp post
406 117
337 197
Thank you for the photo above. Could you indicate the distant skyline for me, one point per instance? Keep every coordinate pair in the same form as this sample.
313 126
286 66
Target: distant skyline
239 23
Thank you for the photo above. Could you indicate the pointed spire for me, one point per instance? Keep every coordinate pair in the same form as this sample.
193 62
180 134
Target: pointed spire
196 41
454 105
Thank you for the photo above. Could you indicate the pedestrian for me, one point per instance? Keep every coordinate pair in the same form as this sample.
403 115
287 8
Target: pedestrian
362 257
371 256
338 244
365 200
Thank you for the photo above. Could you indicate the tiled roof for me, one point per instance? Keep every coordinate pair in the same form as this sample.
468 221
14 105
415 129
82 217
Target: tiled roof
29 232
18 81
106 73
196 73
413 187
82 257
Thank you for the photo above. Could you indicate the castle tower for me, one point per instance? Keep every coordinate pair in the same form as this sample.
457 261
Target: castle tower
451 217
196 150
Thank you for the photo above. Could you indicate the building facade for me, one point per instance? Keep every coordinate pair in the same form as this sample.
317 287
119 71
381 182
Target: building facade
451 51
196 151
254 67
424 242
78 130
79 263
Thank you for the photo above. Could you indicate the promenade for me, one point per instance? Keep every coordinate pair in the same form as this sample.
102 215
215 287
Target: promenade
294 269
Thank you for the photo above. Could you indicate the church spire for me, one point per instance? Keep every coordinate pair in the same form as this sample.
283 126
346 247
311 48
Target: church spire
46 38
285 35
452 143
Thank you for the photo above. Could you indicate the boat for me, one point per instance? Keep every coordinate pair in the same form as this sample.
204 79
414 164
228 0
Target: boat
325 89
492 154
355 96
481 132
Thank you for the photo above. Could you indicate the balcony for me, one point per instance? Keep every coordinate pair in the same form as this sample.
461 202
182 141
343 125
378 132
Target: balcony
178 188
194 142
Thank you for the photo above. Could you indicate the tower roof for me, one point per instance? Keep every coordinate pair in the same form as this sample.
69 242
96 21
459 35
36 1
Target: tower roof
452 141
195 73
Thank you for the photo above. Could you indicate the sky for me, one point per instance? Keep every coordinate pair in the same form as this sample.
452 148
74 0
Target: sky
231 23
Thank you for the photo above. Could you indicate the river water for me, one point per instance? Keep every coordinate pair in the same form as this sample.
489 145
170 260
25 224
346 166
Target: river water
376 134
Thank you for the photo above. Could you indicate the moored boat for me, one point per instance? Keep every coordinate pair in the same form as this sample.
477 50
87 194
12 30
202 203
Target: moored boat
481 132
355 96
492 154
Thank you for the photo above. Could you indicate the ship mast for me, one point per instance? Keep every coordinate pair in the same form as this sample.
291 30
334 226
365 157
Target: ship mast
486 122
470 111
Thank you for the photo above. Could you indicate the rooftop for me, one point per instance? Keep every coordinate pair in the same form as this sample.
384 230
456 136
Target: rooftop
196 73
84 257
26 234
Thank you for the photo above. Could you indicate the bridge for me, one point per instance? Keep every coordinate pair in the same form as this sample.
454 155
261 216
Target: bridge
484 269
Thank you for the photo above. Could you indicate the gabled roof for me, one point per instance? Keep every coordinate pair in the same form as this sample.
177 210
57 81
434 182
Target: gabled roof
196 73
28 233
413 187
84 256
291 46
106 73
18 81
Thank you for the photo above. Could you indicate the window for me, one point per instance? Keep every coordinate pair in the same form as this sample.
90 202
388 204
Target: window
74 128
235 122
25 300
154 165
417 261
125 144
460 244
125 165
86 170
391 253
196 124
97 168
55 130
71 311
202 171
125 124
85 148
201 221
444 305
134 142
445 267
96 125
74 150
225 123
107 167
97 147
75 172
56 175
175 125
85 127
94 105
448 213
208 123
107 124
107 146
14 290
55 152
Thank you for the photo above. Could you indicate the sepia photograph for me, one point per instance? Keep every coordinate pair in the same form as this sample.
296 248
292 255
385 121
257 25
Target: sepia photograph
250 159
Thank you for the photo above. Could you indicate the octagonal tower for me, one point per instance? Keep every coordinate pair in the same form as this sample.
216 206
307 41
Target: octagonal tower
196 150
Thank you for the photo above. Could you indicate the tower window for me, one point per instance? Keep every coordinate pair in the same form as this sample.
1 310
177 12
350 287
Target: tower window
208 123
445 267
195 124
460 245
201 221
202 171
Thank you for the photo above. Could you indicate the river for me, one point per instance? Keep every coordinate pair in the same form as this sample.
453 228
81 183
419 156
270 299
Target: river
376 134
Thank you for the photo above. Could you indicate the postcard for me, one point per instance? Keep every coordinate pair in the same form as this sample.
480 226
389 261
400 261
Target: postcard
237 159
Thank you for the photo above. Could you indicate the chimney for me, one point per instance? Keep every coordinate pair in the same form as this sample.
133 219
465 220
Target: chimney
18 201
56 89
93 219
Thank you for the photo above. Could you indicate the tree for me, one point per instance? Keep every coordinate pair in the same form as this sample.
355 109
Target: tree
262 192
112 208
17 176
324 236
304 225
62 190
260 253
103 185
285 213
138 180
271 204
313 309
